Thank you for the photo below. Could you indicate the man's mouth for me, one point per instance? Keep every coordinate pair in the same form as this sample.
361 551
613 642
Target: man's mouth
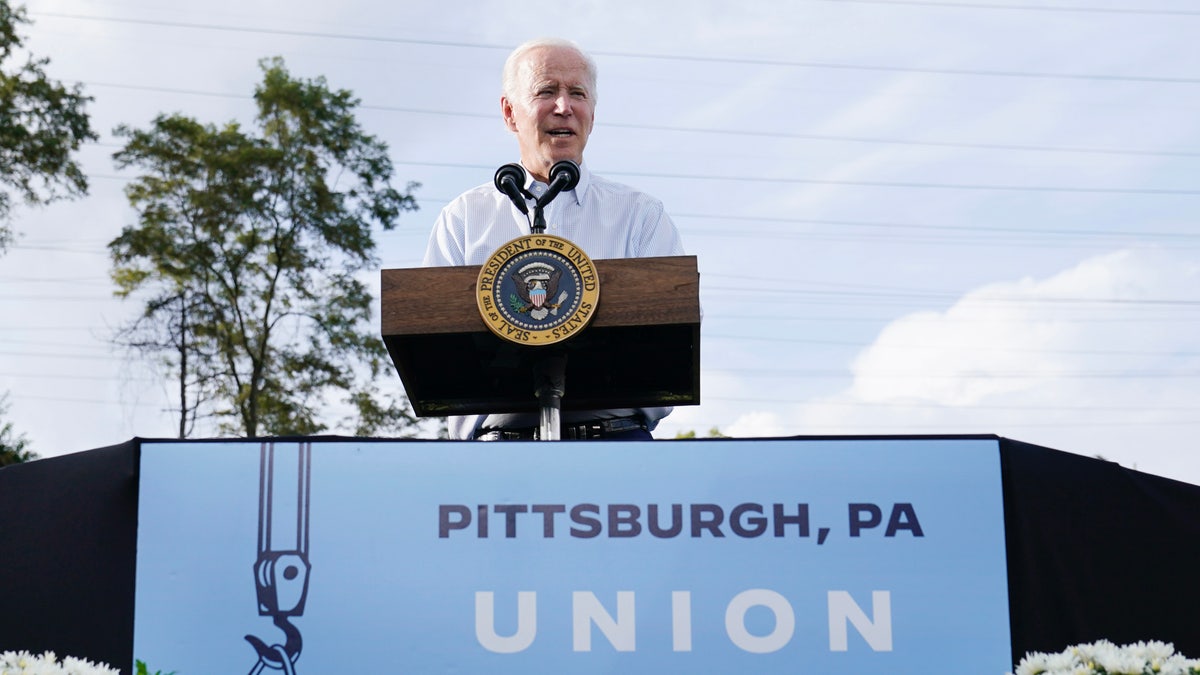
561 133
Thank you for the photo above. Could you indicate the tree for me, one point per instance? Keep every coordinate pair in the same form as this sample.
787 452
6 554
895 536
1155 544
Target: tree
13 446
714 432
247 250
43 124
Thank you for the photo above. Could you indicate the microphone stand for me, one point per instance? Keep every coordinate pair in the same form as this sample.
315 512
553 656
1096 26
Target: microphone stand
539 219
549 371
549 385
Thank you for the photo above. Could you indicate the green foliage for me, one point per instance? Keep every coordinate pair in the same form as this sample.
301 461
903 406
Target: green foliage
691 433
247 253
142 669
13 446
44 123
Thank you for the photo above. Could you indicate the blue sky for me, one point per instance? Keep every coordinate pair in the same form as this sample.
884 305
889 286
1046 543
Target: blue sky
910 217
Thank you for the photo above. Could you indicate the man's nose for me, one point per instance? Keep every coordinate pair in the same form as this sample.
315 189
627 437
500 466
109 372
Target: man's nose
562 105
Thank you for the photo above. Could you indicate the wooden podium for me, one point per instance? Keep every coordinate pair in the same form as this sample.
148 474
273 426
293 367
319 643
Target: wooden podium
641 349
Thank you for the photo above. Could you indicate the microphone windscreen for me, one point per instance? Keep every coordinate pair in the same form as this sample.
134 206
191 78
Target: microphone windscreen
566 171
516 172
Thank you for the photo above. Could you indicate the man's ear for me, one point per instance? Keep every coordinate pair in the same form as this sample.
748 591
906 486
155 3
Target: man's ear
506 109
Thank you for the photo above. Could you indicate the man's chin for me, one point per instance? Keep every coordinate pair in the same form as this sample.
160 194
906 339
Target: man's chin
547 160
557 157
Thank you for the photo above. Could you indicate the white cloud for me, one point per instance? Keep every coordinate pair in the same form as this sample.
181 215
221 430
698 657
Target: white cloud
757 424
1075 361
1015 336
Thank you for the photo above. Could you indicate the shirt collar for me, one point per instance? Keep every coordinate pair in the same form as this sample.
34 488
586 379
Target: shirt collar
579 193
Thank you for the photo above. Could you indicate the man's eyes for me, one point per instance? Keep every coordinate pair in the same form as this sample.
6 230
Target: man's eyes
553 91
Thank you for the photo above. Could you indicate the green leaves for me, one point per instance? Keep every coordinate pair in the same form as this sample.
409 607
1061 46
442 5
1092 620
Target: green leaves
142 669
42 123
14 447
247 251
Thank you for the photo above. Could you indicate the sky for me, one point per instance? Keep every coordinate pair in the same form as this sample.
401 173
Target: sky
910 217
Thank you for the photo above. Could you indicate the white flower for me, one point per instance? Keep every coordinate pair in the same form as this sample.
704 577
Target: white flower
1103 657
24 663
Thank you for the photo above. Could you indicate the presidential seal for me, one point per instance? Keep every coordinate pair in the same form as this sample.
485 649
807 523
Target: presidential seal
537 290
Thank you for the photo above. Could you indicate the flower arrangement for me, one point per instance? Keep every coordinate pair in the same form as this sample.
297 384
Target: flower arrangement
24 663
1106 658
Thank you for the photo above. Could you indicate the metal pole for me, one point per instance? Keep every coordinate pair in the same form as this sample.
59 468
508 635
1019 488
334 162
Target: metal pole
549 377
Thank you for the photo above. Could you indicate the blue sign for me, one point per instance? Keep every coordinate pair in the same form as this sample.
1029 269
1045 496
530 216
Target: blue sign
773 556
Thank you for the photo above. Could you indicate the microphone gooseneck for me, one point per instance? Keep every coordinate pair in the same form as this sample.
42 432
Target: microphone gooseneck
564 176
510 179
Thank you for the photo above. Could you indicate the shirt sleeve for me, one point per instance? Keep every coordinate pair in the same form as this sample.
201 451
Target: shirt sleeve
659 236
653 415
445 247
463 427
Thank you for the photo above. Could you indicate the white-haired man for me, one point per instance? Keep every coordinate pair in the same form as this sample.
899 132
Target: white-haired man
548 102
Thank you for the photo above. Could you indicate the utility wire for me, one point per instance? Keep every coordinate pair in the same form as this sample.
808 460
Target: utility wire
900 375
891 226
1148 192
1095 77
802 294
895 141
1021 8
1160 192
831 138
974 408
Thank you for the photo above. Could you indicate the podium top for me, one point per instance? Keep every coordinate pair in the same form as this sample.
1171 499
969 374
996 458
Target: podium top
642 348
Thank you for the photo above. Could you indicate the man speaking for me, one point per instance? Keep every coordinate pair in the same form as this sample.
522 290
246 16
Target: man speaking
548 102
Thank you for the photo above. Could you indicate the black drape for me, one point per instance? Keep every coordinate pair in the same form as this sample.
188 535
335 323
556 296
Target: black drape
1097 551
68 546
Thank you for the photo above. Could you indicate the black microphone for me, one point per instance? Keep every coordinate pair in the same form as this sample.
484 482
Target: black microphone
510 179
564 175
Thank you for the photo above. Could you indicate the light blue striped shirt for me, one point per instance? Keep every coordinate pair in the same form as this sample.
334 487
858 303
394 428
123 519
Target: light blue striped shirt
604 218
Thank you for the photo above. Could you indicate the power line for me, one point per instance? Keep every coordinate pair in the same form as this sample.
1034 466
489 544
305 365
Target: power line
950 426
634 55
77 376
911 69
891 226
895 141
1158 192
65 329
971 234
973 408
1024 8
90 281
831 138
984 239
795 289
802 293
740 338
278 31
1147 192
973 349
874 320
1032 374
55 298
921 185
85 357
63 249
92 346
63 399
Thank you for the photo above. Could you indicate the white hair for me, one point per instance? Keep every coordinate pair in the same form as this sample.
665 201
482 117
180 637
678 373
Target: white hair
512 66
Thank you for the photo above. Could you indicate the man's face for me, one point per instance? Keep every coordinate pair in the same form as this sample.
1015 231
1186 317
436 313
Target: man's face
551 108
